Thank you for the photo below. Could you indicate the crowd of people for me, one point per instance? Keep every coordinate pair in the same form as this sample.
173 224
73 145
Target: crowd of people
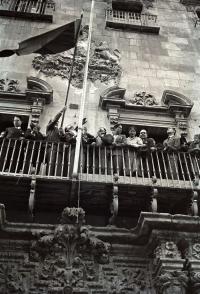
105 156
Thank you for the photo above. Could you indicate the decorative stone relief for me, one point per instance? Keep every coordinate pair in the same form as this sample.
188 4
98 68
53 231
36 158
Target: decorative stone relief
7 85
167 250
169 282
36 110
60 254
104 63
195 282
11 281
143 98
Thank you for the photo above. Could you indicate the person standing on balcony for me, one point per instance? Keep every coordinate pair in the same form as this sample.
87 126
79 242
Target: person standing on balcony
33 158
12 151
70 142
146 160
171 146
54 153
87 139
132 160
118 150
194 150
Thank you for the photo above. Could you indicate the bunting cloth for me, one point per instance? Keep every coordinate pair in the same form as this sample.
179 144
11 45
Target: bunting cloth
55 41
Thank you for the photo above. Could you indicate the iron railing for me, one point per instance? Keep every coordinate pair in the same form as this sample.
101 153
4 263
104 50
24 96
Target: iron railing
126 17
100 163
29 6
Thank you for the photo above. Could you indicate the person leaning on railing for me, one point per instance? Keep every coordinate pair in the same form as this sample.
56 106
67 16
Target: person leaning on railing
70 135
194 150
171 146
118 151
34 149
87 156
132 159
54 153
12 152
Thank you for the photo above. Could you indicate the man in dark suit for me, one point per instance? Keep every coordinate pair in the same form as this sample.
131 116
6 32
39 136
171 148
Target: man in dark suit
12 148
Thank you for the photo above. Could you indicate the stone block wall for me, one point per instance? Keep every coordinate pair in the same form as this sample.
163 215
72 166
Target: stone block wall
151 63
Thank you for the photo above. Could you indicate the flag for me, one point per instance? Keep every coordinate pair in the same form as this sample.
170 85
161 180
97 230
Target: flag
55 41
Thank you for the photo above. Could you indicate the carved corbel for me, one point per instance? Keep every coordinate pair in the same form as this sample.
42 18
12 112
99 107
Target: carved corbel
113 115
168 265
115 202
154 204
2 215
193 207
31 203
36 110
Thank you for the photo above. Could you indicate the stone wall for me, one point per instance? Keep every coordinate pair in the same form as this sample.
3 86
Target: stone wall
152 63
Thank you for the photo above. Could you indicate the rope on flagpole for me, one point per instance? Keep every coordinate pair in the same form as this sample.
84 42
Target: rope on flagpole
72 67
83 97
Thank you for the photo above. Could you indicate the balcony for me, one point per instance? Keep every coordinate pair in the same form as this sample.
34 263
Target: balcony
38 10
38 175
146 23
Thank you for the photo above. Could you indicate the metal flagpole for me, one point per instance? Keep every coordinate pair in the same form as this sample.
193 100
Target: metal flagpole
72 67
83 97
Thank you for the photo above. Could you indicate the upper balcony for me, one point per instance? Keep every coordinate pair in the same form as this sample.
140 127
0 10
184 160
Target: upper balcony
39 175
39 10
142 22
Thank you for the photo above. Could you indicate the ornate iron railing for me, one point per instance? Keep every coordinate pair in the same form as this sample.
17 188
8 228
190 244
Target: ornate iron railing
100 164
40 7
140 19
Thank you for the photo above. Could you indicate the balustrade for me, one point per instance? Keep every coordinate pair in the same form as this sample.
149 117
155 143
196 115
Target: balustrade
141 19
101 164
29 6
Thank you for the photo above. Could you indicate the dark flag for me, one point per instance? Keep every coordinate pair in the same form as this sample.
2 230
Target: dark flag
55 41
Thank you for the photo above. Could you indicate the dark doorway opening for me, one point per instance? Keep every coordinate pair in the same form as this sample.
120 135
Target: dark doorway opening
6 121
157 133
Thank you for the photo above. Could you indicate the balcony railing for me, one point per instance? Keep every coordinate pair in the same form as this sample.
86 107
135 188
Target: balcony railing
33 9
131 20
100 164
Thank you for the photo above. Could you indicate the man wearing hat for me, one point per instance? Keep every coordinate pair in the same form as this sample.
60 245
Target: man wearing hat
171 145
118 150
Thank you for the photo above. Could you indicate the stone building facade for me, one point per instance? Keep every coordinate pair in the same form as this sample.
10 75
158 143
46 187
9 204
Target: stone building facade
142 232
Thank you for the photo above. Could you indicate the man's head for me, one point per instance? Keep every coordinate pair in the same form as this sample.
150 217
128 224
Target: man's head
171 131
196 138
101 132
118 129
132 132
143 134
17 121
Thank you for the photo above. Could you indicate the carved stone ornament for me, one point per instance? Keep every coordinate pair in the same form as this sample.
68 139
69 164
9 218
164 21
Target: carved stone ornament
104 63
193 252
167 250
60 254
195 282
172 282
7 85
11 281
128 281
143 98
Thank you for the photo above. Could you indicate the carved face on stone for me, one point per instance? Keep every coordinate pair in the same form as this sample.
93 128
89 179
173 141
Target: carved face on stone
17 121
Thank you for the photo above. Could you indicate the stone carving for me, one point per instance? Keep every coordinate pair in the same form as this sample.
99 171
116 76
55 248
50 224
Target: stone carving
128 281
167 250
60 254
193 251
172 282
104 63
7 85
195 282
143 98
11 281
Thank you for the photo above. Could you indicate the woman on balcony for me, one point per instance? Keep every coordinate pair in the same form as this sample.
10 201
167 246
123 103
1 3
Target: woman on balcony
118 150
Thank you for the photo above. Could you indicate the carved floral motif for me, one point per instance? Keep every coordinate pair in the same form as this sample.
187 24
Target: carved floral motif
167 250
60 253
7 85
172 282
11 281
143 98
104 63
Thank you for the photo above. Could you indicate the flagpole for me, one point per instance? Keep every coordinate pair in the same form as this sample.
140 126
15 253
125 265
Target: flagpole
83 97
72 67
